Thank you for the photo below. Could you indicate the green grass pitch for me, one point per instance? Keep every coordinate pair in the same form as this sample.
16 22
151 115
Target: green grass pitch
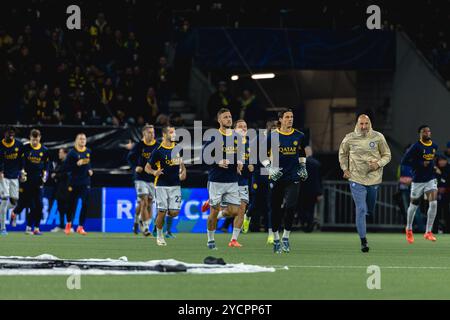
321 266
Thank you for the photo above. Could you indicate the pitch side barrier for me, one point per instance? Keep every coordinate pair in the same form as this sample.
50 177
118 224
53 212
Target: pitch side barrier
338 208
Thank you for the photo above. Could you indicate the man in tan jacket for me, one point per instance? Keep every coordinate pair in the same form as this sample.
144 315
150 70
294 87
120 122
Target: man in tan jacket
362 156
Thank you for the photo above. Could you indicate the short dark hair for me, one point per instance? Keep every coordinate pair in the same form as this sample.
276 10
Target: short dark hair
222 110
8 129
237 121
80 134
65 150
147 126
422 127
283 111
165 129
35 133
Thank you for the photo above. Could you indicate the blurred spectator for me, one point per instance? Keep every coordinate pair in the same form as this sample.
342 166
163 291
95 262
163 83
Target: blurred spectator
77 107
447 152
58 107
132 46
29 96
120 109
56 46
38 75
100 23
443 178
126 84
41 107
310 192
61 78
250 110
150 109
176 120
6 41
163 81
220 99
77 80
162 120
107 93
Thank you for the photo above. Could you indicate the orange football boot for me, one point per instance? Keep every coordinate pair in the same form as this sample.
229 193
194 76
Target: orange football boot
409 236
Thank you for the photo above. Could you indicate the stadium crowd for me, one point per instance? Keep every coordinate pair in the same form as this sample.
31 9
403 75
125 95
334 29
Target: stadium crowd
112 71
116 70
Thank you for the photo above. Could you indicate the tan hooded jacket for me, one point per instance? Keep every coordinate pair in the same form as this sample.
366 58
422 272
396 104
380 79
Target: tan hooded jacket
357 150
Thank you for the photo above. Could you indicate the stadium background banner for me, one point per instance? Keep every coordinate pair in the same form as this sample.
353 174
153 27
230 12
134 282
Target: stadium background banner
50 214
215 48
119 205
113 209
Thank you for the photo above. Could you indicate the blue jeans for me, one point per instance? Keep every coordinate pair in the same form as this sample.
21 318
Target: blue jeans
365 198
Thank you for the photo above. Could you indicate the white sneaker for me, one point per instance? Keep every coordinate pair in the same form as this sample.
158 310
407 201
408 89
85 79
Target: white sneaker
28 231
161 242
71 230
56 229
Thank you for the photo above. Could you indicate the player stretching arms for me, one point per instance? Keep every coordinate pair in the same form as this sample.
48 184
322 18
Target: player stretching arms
144 182
223 186
284 181
421 156
169 171
78 167
10 169
35 164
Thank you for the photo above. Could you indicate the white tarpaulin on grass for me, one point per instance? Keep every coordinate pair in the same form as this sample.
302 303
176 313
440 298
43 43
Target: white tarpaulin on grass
50 265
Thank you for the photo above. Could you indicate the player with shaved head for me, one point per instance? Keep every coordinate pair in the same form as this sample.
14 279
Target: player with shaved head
362 155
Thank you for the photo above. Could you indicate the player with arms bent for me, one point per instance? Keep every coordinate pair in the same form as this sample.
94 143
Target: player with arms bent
167 166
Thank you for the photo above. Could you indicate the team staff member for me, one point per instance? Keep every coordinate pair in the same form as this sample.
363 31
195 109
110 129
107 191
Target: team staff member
78 168
362 156
60 178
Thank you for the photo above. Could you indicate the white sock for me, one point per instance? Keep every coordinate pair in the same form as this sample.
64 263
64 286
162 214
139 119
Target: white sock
28 228
10 205
410 216
276 236
431 214
236 232
286 234
136 218
220 215
3 209
159 233
211 235
270 232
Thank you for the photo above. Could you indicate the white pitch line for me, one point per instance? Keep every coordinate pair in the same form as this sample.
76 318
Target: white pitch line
357 267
